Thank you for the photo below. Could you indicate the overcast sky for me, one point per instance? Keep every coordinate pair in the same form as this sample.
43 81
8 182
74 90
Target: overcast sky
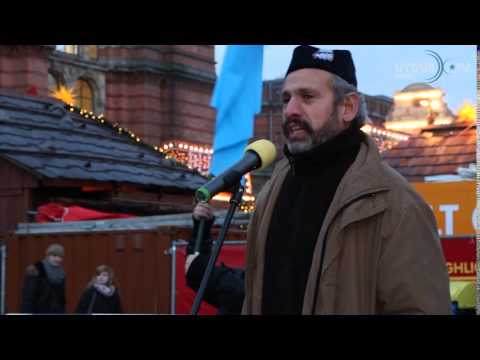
385 69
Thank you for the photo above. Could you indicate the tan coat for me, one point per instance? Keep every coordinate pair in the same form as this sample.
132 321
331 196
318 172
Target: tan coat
383 253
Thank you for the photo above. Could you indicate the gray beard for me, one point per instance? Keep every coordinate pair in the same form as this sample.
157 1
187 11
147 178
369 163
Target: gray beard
331 129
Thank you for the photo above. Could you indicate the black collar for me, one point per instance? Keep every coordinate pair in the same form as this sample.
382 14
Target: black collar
343 147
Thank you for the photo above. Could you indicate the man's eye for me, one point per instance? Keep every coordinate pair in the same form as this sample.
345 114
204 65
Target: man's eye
286 100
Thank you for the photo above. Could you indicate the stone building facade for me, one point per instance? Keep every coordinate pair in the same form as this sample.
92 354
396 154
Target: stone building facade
162 92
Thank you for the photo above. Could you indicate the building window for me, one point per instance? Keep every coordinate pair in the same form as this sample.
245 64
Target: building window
53 84
84 98
91 51
86 51
69 49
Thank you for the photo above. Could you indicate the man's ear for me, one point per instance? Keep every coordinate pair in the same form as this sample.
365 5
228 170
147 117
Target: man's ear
351 106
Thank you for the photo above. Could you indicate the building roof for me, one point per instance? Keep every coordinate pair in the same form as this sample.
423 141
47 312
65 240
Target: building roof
437 150
43 137
417 87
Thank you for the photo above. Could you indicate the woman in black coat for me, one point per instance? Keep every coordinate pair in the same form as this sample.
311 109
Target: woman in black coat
101 296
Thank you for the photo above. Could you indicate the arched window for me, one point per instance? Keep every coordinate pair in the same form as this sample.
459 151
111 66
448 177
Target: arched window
85 51
52 83
91 51
84 95
71 49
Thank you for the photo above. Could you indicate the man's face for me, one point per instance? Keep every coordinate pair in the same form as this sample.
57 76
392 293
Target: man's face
309 115
55 260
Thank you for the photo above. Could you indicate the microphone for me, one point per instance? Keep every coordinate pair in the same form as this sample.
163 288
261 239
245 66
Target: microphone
258 155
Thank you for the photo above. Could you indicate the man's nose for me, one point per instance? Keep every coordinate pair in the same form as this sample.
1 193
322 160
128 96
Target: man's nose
292 108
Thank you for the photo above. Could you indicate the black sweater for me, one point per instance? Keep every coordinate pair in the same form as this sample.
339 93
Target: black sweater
225 289
298 216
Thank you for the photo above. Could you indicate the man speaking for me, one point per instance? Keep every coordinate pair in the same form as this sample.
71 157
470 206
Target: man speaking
336 230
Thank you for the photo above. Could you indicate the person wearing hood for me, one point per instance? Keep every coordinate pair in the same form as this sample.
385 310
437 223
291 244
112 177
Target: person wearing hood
100 296
44 284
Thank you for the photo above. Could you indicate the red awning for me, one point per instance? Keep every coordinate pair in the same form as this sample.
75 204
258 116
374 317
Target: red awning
53 212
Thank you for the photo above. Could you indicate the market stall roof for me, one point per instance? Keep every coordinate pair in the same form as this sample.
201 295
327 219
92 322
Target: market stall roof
44 138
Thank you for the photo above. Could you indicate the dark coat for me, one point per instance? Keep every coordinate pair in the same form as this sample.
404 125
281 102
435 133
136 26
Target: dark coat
225 288
39 295
102 304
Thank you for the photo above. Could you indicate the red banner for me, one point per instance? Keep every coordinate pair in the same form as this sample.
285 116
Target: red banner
460 253
231 255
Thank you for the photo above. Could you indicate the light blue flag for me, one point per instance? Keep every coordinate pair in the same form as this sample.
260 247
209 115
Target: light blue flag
237 97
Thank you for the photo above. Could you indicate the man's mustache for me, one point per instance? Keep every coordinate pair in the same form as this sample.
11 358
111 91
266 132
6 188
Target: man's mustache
298 123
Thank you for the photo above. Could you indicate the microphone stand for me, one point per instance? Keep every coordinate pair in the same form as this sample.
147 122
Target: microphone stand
199 239
234 201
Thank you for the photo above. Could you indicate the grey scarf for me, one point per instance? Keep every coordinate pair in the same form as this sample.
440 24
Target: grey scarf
55 274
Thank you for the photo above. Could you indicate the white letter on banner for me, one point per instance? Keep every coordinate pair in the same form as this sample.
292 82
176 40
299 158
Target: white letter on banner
449 210
475 219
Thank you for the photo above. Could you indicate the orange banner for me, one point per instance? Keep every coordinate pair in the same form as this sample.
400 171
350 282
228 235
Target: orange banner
454 205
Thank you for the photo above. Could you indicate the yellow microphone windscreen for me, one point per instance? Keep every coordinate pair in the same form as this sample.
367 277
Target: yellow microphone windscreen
265 150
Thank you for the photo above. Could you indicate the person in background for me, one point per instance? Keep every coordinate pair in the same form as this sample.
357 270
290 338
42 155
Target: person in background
100 296
225 289
43 289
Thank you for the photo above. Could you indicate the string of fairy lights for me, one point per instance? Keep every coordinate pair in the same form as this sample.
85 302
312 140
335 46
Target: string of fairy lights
198 157
194 156
384 139
121 130
186 155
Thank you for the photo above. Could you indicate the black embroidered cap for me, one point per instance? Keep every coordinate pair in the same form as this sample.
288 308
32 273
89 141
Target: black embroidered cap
338 62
